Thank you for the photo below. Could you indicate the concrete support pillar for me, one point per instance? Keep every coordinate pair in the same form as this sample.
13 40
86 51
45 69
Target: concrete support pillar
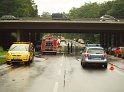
29 36
37 36
115 39
109 40
121 39
24 36
105 40
18 35
118 39
102 39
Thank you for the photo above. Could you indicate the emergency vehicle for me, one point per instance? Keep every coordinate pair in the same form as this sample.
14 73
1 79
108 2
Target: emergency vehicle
20 52
49 44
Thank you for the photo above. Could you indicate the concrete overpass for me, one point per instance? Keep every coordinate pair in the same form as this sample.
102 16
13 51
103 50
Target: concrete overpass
107 30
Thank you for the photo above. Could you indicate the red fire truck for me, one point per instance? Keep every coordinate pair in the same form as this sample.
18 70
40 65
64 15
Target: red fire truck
49 44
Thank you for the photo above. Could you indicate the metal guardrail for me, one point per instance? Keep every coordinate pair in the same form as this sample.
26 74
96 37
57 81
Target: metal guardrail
48 19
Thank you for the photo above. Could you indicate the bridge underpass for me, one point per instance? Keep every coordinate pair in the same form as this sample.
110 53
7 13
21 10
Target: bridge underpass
111 34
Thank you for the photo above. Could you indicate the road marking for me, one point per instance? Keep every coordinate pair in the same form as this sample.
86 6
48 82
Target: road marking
55 87
119 72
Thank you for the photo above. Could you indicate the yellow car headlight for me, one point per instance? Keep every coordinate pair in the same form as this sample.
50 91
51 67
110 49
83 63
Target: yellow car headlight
8 54
25 54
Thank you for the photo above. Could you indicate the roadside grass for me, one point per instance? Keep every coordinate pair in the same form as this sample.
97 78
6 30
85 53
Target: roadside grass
2 57
2 60
3 53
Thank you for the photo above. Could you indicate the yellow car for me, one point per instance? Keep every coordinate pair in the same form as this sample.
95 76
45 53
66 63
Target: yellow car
20 52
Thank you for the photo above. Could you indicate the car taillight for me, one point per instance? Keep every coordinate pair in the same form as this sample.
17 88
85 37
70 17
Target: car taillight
87 55
104 55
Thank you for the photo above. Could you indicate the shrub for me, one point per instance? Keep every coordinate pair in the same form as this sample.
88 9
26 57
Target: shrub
1 49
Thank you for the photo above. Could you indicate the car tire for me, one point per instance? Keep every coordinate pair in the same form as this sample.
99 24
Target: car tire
83 65
119 55
105 66
122 56
8 63
27 63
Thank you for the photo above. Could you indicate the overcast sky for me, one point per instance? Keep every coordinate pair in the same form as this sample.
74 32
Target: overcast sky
59 6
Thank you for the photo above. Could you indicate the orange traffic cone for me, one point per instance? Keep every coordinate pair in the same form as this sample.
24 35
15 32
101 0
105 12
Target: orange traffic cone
112 67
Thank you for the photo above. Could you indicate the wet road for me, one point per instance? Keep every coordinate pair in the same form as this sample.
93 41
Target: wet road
60 73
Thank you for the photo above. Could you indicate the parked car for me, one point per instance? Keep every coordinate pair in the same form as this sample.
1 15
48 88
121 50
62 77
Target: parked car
118 51
94 56
108 18
9 17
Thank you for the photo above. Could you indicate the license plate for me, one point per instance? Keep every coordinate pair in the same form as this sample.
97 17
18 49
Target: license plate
96 58
16 58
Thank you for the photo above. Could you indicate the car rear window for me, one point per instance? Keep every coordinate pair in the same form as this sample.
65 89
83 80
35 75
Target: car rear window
95 51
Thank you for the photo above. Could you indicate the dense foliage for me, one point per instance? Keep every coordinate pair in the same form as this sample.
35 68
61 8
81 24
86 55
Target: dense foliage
27 8
18 8
95 10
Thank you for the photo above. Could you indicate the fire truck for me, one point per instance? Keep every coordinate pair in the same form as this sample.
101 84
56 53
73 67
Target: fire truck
49 44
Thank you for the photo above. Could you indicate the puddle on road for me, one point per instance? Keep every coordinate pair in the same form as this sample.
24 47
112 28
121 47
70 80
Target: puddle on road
37 71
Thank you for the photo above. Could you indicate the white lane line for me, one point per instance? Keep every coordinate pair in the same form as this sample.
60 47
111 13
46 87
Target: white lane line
59 72
119 72
55 87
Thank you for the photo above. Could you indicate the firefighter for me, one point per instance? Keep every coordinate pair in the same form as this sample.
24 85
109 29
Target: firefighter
71 47
68 48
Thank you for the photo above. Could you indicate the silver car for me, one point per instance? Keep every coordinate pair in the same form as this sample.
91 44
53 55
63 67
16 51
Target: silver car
108 18
94 56
9 17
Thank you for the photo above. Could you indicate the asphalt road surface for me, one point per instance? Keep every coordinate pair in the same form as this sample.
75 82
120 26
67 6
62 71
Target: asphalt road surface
60 73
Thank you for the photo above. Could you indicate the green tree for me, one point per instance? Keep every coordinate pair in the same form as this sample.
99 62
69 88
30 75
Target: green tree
20 8
105 8
89 10
117 9
73 13
46 15
7 6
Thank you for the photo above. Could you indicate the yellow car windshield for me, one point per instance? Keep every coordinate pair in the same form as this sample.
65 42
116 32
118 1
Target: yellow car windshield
19 48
